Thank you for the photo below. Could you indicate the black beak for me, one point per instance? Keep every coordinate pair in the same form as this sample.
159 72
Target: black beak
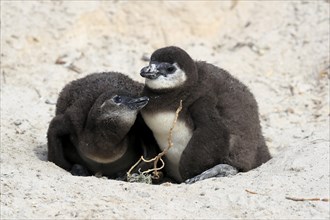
155 69
138 103
150 72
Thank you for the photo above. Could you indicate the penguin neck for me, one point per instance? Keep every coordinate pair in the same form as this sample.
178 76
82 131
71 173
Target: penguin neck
103 150
131 152
119 167
103 144
162 99
112 135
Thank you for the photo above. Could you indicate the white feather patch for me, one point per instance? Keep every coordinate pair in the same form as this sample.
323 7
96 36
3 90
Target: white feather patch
160 124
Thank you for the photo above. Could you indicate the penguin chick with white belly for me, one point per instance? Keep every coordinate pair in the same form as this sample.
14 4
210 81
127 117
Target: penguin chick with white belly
218 131
97 127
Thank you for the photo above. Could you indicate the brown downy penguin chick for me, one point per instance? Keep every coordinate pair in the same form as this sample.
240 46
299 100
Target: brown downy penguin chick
218 128
97 128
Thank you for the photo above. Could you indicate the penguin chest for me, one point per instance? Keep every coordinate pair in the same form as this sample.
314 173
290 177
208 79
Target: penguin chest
160 124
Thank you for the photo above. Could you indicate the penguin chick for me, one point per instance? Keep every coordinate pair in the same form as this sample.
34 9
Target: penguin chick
218 127
97 128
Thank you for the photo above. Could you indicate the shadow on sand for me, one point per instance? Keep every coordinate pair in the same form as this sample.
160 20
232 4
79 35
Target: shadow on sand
41 152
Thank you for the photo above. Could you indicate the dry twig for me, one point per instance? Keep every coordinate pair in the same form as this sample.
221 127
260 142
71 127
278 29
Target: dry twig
307 199
74 68
251 192
254 193
294 198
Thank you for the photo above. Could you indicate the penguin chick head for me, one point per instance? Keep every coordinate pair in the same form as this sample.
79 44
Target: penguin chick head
109 120
115 114
169 67
120 110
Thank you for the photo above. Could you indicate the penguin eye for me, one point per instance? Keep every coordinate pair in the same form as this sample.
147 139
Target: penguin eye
117 99
170 69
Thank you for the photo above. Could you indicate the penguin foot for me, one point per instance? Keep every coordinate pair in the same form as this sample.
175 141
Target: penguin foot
220 170
78 170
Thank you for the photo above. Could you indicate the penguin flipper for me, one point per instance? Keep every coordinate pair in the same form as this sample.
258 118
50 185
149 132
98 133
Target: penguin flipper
220 170
209 144
58 128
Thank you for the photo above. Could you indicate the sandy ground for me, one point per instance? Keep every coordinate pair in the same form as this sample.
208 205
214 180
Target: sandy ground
280 49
